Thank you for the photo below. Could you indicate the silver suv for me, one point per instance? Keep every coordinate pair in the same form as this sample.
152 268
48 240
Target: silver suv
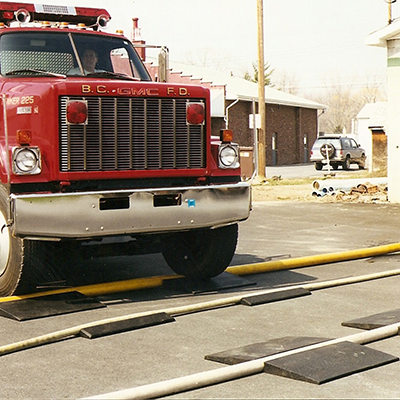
339 150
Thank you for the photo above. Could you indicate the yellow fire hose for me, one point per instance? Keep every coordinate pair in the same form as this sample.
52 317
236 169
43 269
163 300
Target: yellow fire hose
191 308
186 309
100 289
309 261
180 384
247 269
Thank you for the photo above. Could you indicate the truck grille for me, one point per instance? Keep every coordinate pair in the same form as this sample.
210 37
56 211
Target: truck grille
131 134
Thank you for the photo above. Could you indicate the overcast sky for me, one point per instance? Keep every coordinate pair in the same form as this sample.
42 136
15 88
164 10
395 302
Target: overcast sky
318 41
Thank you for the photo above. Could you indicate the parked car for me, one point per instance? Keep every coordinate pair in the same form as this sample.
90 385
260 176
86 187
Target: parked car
338 151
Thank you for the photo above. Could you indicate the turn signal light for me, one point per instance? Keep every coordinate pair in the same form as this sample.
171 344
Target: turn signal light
226 135
77 112
195 113
24 137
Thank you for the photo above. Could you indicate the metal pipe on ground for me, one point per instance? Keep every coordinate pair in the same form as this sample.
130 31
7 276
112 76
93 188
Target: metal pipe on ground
225 374
346 184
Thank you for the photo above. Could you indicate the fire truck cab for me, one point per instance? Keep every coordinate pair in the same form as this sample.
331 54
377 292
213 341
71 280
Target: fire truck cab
92 150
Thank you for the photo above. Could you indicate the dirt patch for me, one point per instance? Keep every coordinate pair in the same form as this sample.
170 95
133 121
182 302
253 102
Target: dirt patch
268 192
303 192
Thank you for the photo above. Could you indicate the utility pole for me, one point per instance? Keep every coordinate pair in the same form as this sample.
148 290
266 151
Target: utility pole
261 91
390 2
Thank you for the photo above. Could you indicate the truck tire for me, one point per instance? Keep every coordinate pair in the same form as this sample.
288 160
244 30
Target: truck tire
346 163
23 263
327 149
200 254
361 164
318 166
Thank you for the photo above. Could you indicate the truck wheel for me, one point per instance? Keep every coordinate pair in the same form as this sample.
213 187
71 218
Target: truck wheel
23 263
327 150
11 252
200 254
361 164
318 166
346 163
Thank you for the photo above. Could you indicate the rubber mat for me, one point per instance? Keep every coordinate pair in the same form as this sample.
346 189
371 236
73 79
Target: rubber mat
274 296
263 349
223 281
328 363
375 321
47 306
125 325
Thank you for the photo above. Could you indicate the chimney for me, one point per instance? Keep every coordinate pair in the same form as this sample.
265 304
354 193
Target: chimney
137 39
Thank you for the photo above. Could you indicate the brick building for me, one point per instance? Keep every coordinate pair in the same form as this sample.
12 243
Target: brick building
290 130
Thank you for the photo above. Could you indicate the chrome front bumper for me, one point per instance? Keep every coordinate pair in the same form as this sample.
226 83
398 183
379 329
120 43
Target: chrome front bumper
98 214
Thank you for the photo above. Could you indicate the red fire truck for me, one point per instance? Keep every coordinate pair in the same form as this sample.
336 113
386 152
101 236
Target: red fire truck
93 151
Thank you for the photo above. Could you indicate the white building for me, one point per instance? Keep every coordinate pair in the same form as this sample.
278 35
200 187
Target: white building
389 37
370 132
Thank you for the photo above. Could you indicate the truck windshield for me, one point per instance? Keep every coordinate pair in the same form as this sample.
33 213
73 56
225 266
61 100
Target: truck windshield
69 54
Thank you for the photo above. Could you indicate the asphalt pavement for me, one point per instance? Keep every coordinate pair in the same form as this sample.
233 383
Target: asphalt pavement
305 171
76 367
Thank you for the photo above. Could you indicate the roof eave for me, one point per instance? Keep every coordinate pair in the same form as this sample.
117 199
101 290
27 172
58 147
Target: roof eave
279 102
380 37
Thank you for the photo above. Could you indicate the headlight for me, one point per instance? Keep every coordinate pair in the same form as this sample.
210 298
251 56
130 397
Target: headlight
26 161
229 156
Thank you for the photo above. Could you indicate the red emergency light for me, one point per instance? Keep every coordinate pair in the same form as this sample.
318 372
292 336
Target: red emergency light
77 112
24 12
195 113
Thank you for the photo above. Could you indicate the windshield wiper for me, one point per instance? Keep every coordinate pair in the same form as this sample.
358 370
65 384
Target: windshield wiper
113 75
35 71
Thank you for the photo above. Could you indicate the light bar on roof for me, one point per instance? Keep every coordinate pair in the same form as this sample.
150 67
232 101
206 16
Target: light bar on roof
51 9
24 12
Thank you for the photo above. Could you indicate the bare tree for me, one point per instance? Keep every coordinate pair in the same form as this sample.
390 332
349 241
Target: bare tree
344 103
342 107
207 57
372 94
286 82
